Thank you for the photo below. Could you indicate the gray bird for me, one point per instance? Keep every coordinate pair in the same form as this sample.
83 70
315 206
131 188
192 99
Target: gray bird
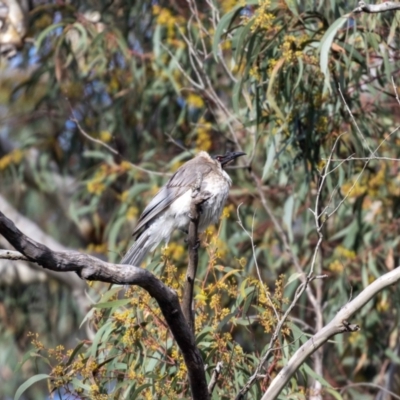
169 209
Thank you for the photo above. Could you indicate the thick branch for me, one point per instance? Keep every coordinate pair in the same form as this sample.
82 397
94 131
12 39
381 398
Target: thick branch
338 324
376 8
91 268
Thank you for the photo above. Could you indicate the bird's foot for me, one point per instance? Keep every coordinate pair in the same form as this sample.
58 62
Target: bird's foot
197 245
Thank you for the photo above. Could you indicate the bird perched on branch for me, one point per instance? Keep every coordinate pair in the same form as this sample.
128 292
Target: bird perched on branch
170 208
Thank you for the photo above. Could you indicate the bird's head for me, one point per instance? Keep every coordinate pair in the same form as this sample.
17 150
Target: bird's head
228 157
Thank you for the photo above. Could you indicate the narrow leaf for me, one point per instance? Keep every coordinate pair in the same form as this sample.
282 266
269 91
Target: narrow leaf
28 383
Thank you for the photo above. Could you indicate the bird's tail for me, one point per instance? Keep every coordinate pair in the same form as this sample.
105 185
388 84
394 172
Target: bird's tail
138 251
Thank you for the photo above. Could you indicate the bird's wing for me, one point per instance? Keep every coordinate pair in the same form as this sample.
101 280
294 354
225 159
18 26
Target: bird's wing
185 178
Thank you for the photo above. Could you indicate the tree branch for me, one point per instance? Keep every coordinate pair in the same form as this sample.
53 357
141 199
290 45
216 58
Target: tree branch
29 273
376 8
214 377
193 243
339 324
93 269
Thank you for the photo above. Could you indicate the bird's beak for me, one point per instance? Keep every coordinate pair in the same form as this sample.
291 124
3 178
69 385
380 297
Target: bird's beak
230 156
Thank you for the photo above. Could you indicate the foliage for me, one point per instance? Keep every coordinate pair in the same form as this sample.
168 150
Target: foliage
158 82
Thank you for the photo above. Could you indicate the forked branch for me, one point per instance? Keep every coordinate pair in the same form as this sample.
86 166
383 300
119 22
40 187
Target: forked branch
93 269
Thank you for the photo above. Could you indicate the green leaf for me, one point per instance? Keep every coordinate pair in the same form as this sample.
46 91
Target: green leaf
74 353
223 25
294 277
97 338
326 43
288 216
114 303
315 376
138 390
333 393
45 32
29 354
28 383
270 156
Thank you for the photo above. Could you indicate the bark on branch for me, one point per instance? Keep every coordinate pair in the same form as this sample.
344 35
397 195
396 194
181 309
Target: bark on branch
376 8
193 243
93 269
339 324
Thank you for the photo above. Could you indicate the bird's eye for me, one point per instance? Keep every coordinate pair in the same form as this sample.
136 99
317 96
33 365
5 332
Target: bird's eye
219 158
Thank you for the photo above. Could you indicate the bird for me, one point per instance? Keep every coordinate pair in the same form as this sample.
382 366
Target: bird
170 208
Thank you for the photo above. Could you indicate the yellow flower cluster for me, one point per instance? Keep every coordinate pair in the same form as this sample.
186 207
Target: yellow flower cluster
228 5
97 248
289 49
57 353
371 186
95 187
132 213
345 253
164 17
35 341
336 267
255 73
203 141
105 136
262 19
194 100
14 157
174 251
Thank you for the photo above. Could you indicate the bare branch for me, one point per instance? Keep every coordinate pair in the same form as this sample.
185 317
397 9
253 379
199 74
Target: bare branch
355 122
371 385
376 8
93 269
395 89
214 377
12 255
193 244
109 148
23 270
253 248
338 324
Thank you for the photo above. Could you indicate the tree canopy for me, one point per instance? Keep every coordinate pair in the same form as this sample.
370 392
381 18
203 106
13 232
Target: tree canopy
101 101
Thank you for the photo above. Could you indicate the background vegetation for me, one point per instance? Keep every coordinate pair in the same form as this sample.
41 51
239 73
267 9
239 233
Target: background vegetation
104 99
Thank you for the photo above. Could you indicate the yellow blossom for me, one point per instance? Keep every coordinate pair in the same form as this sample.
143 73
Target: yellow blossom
95 187
125 166
242 262
132 213
195 101
14 157
262 19
336 266
105 136
345 253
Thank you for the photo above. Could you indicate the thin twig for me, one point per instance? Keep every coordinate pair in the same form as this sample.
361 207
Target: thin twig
368 384
106 146
395 91
354 122
253 248
214 377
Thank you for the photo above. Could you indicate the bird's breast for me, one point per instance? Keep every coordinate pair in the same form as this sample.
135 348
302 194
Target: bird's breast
217 185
